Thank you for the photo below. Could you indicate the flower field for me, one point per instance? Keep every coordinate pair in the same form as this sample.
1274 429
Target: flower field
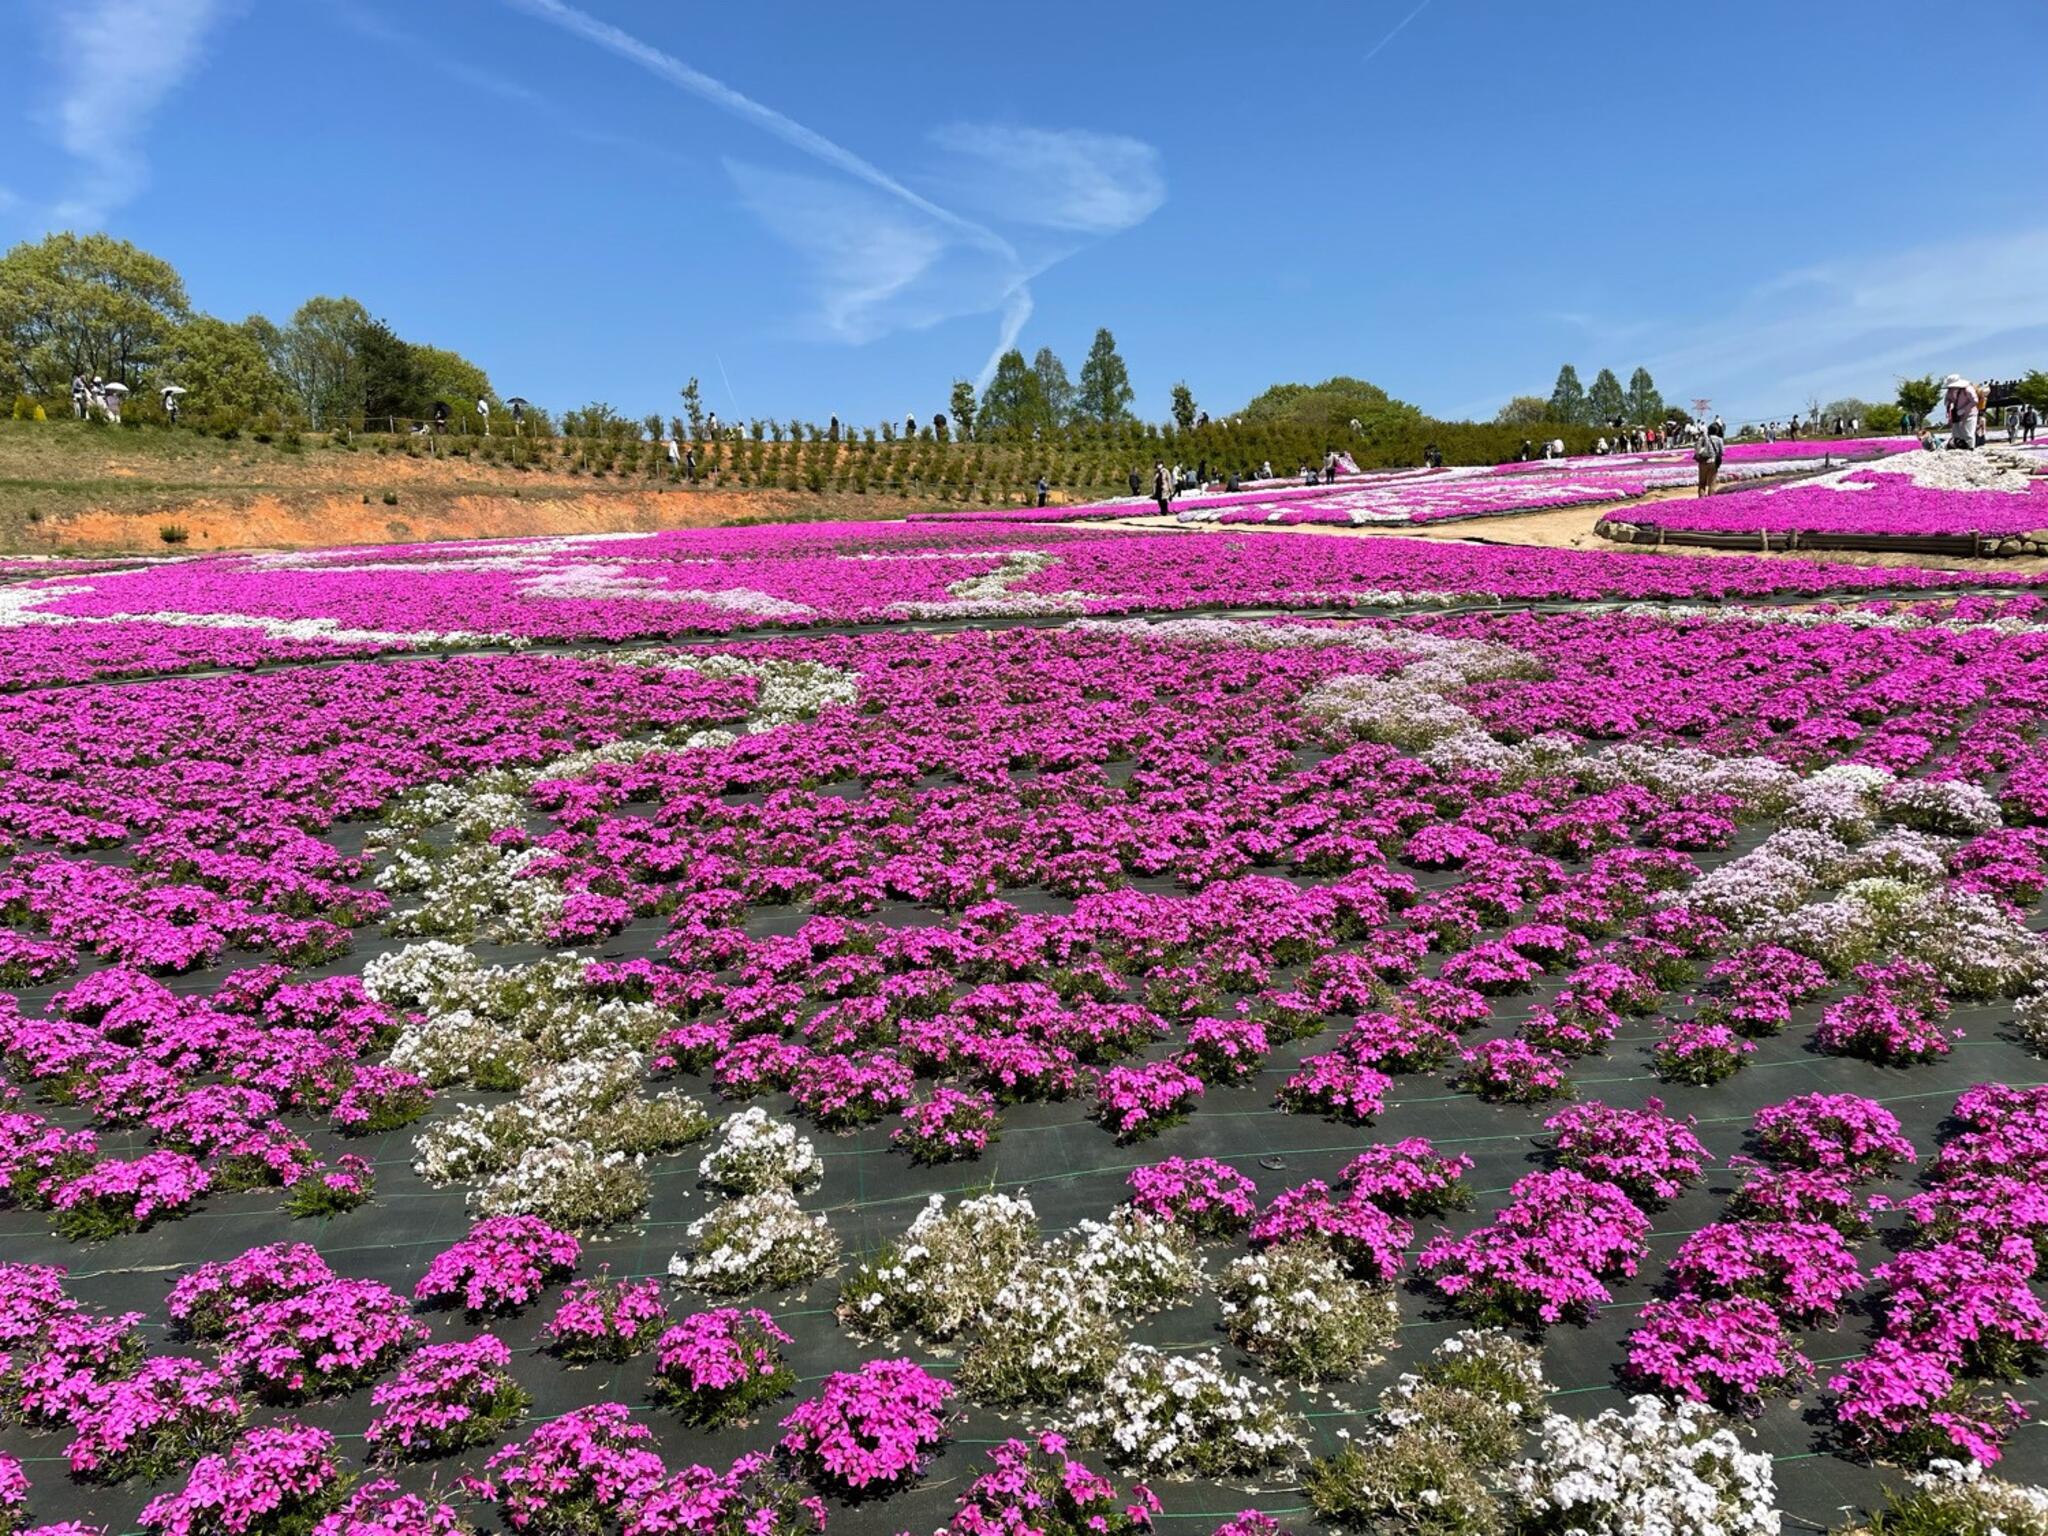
889 1028
1996 498
242 612
1414 496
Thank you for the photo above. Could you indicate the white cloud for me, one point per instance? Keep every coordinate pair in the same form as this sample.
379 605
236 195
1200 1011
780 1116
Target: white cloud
885 256
1853 324
491 83
117 60
672 69
878 266
1067 179
1398 27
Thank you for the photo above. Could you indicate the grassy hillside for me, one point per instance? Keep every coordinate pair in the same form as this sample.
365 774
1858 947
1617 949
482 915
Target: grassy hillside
67 486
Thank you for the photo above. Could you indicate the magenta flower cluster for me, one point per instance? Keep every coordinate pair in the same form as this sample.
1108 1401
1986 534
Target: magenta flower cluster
503 1265
869 1429
1207 1197
606 1319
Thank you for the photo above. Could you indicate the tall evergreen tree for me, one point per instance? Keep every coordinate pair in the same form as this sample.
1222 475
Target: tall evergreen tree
1645 405
961 407
393 381
1106 392
1054 384
1183 406
1568 397
1014 400
1604 401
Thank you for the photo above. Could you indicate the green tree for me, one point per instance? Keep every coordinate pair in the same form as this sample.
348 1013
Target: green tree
1568 398
317 358
392 382
1054 384
452 377
1848 408
1917 397
961 405
1326 411
1106 392
1014 400
1645 406
224 368
86 304
1523 411
1183 406
693 407
2033 390
1604 401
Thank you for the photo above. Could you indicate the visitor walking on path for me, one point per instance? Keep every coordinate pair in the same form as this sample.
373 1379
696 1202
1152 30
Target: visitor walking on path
1962 404
1137 483
1042 489
1162 487
1708 457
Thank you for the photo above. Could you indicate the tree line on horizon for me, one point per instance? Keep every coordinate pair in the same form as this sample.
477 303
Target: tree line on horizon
94 306
97 305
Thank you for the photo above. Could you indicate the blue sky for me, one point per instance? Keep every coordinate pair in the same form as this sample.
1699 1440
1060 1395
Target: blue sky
829 208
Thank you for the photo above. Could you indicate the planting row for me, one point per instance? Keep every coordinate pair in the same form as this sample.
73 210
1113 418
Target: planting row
1117 909
244 611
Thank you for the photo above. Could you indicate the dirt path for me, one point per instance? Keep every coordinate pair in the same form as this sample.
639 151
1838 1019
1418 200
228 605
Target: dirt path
1572 528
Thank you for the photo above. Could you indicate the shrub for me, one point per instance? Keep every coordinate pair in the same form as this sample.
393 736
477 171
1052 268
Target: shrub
173 533
951 1125
1296 1309
1034 1486
504 1263
715 1367
1729 1352
1185 1413
604 1319
276 1478
869 1429
1409 1178
575 1475
212 1299
333 1338
1676 1470
150 1424
446 1398
1954 1498
1415 1480
753 1152
947 1269
1209 1198
764 1241
327 1190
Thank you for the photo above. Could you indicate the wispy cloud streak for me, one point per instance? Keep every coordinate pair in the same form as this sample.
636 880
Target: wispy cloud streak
117 60
1399 27
887 255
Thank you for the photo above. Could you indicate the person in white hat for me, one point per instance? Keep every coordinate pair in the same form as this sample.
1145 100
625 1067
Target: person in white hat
1963 405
